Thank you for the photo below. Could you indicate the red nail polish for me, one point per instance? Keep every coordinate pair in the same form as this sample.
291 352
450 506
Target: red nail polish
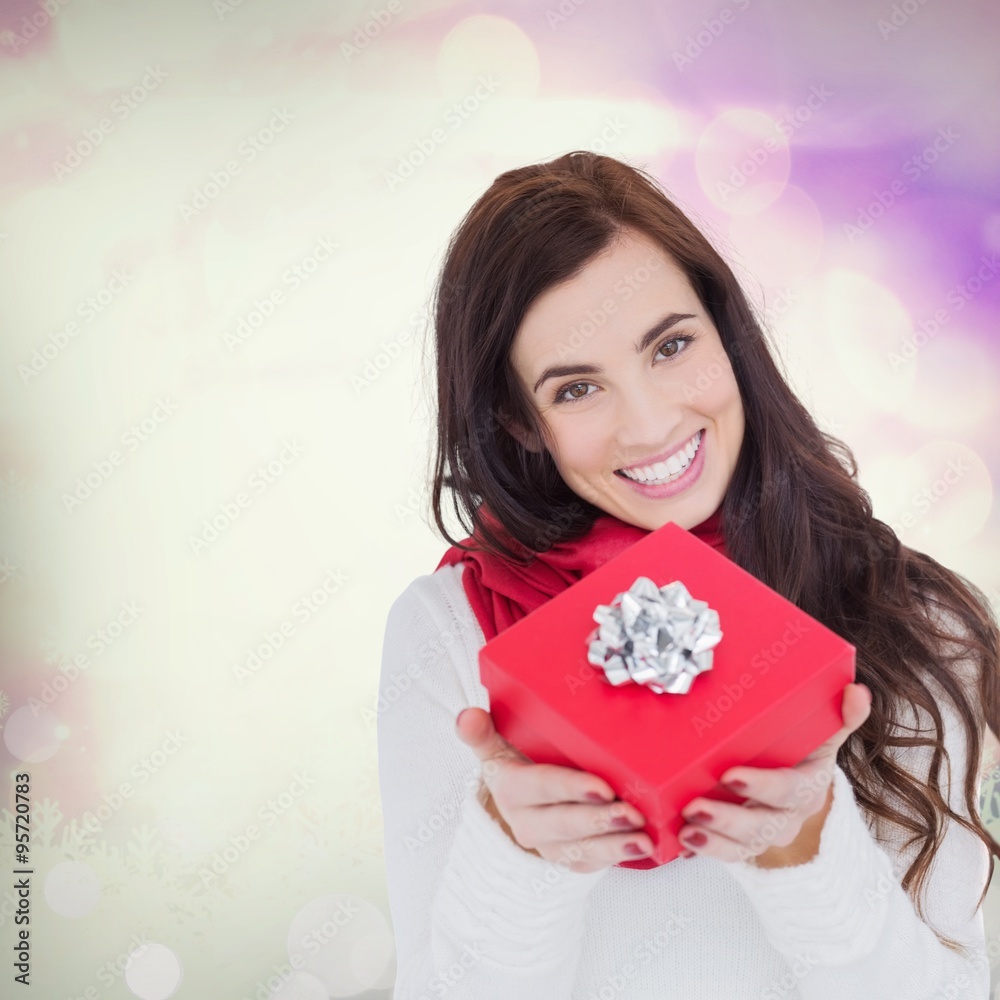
595 797
696 839
737 786
699 817
633 848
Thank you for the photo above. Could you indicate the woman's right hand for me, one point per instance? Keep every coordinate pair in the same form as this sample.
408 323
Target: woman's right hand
562 814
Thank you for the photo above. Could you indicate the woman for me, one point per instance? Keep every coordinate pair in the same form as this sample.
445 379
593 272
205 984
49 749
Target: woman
600 373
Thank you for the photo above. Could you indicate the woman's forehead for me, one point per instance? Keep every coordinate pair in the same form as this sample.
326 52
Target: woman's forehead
619 294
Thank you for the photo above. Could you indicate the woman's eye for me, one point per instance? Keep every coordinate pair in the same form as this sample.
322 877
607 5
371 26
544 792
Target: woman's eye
674 346
676 343
567 393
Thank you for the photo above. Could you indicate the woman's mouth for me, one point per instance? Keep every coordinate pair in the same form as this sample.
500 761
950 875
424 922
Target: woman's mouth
665 479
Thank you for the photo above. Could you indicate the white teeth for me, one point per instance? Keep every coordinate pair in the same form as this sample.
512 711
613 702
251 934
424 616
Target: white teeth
670 469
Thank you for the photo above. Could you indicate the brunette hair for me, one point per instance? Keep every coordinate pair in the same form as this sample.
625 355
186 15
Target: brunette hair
794 514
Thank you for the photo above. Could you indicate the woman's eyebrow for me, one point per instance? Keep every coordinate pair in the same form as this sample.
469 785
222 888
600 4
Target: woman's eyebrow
561 371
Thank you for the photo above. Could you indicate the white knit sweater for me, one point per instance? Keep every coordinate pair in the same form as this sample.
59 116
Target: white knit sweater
475 916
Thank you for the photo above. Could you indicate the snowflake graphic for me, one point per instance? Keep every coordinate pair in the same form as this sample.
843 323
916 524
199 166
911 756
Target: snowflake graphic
12 486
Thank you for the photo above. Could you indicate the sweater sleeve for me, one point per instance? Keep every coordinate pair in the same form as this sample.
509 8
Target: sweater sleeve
474 915
843 921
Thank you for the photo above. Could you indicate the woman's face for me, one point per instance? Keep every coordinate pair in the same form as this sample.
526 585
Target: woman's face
669 413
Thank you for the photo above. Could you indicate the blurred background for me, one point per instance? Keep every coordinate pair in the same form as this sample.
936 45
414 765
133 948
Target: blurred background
220 223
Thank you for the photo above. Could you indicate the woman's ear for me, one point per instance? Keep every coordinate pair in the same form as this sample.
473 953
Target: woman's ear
524 437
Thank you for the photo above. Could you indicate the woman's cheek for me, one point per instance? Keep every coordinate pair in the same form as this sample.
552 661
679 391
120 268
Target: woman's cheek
714 386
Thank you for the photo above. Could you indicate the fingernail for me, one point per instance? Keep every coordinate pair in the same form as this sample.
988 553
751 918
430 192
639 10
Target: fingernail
596 797
737 786
695 839
633 848
699 817
623 823
686 854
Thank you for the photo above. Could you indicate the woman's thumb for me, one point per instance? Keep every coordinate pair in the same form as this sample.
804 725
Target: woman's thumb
475 729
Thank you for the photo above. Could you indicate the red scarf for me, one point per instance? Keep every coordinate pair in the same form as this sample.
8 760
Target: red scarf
501 592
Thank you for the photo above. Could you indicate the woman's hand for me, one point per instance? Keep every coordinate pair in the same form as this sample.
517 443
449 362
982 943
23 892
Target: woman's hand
781 821
549 810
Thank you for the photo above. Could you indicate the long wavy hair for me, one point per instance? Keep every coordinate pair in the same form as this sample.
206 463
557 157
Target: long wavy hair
794 514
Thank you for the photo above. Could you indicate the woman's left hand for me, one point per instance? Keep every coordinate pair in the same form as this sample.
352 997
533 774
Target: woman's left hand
782 818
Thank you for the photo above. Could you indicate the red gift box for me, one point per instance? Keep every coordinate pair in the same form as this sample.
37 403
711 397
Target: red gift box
772 696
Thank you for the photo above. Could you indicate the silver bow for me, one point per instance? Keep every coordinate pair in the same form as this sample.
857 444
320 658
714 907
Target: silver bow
658 636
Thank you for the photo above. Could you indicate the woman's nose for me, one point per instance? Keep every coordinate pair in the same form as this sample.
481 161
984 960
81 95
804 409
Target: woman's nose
647 420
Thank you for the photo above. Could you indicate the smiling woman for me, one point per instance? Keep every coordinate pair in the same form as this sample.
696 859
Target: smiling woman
600 373
640 432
